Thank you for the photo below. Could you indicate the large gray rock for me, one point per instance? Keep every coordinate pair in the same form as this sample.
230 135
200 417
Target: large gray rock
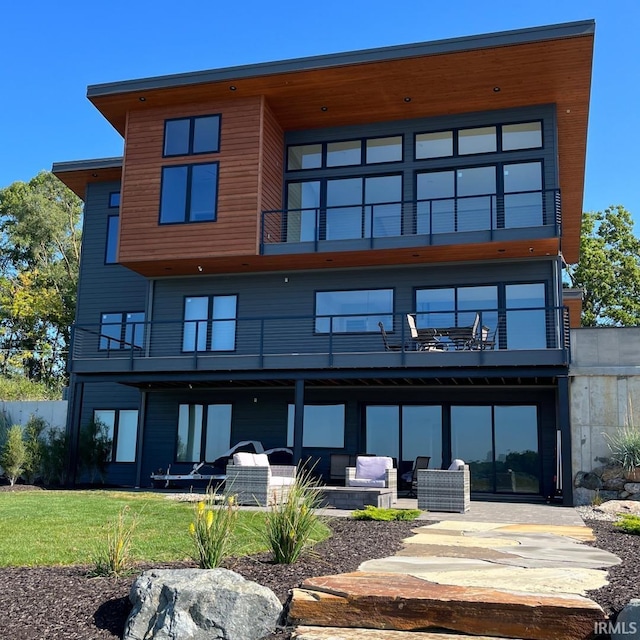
632 487
627 625
200 604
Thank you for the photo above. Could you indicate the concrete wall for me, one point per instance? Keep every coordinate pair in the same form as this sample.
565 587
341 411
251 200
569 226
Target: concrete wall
605 388
53 411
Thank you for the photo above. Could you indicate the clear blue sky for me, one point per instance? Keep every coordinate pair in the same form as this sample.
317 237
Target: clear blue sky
51 51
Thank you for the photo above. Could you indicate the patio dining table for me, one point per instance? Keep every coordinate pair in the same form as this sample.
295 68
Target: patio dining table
441 338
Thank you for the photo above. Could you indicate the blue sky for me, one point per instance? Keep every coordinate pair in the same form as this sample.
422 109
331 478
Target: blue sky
50 52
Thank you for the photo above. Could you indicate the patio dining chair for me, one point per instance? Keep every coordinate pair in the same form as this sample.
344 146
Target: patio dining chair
387 345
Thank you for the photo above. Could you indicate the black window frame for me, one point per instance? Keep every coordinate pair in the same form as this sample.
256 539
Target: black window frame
189 188
331 331
210 320
123 324
203 430
113 218
116 433
191 120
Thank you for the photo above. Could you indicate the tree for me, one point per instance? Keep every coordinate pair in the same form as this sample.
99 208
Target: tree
609 269
94 449
39 259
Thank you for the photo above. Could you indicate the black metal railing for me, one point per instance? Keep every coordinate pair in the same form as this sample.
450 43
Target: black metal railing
426 218
318 340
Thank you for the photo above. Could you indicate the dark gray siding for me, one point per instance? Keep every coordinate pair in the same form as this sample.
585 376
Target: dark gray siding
105 395
104 287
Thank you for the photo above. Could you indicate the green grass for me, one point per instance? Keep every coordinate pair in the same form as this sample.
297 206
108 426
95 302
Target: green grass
40 528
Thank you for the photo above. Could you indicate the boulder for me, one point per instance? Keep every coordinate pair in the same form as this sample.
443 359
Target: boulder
198 604
610 472
619 506
627 625
614 484
591 480
632 487
577 481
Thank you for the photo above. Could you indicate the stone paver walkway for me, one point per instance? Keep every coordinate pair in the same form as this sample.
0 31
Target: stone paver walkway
509 570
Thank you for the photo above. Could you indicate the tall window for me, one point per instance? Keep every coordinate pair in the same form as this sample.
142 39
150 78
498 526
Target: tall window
323 425
204 432
210 323
353 311
457 306
190 136
122 430
122 330
113 227
189 193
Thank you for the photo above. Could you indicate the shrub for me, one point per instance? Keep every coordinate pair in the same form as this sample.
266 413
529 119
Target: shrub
114 558
387 515
94 449
54 457
629 524
212 531
290 524
624 444
35 443
13 458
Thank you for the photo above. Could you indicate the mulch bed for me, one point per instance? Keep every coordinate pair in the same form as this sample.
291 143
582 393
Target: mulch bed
65 603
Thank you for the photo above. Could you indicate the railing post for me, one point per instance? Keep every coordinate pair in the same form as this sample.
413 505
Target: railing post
331 341
261 343
370 226
132 345
316 229
403 344
262 215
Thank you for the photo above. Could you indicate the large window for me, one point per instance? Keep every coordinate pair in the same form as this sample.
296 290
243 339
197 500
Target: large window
323 426
210 323
122 429
353 311
122 330
190 136
189 193
526 316
204 432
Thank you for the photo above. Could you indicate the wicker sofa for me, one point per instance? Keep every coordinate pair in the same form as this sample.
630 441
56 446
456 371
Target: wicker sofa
253 481
444 489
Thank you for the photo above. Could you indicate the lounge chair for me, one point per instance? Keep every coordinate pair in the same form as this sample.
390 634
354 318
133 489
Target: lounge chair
376 472
445 490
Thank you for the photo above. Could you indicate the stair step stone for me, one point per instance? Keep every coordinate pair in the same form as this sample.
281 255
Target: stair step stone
342 633
405 603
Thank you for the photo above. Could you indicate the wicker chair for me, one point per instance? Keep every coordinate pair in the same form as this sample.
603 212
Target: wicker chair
444 490
258 483
374 472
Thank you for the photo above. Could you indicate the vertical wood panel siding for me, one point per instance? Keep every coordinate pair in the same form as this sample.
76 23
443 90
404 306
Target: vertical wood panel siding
235 230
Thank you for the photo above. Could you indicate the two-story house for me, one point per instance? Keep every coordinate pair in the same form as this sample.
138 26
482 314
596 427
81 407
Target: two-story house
359 252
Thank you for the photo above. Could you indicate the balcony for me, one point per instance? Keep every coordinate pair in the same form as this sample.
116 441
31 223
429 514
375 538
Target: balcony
417 223
536 336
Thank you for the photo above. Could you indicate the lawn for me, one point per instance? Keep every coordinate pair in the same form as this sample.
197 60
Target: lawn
39 528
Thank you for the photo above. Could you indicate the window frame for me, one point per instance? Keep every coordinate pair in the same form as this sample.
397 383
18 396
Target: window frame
116 434
189 193
114 195
328 318
190 142
123 324
204 429
210 320
111 218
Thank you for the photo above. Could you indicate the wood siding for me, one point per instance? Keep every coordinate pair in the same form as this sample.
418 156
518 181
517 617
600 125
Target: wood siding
235 230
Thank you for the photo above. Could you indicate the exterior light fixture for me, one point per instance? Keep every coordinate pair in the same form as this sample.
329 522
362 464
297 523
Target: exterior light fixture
496 89
94 175
407 99
142 99
232 87
200 268
324 108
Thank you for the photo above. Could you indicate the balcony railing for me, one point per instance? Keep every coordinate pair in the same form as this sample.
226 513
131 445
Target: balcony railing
416 222
341 341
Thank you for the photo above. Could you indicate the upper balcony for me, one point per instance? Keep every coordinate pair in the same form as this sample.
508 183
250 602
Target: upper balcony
515 337
478 218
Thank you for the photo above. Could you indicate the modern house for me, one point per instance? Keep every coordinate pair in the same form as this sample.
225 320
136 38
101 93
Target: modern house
350 253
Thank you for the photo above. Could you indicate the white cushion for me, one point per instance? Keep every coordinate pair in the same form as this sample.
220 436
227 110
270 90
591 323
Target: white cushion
456 464
366 482
244 459
372 467
260 459
281 481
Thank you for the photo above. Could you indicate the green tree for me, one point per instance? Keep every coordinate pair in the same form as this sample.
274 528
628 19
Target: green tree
14 454
94 449
39 258
609 269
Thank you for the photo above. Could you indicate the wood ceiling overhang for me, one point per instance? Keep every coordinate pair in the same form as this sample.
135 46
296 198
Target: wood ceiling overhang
77 175
546 65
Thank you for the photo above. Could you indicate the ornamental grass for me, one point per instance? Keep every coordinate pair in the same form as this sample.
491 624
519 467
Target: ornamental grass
212 531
